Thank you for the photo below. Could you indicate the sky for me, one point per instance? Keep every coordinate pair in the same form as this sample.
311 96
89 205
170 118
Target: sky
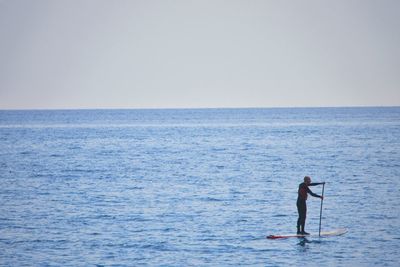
68 54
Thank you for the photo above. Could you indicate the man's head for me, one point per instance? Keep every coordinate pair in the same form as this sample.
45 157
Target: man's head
307 180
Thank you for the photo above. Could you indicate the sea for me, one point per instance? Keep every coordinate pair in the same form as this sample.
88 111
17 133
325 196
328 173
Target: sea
198 187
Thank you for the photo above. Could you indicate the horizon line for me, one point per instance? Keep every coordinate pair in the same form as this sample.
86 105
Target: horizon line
194 108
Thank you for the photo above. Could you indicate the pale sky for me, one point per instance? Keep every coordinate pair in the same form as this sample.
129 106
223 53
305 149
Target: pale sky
193 54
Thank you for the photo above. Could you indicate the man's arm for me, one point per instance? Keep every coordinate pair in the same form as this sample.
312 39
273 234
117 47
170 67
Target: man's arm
313 194
312 184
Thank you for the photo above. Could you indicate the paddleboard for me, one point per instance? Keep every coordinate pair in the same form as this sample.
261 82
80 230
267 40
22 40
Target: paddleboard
336 232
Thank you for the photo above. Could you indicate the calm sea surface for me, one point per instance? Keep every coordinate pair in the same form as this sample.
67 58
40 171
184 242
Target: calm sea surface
197 187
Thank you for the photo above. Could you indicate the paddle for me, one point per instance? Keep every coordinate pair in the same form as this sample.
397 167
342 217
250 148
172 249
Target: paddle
320 211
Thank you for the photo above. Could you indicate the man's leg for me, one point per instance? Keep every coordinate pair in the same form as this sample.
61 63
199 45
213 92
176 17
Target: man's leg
303 221
299 219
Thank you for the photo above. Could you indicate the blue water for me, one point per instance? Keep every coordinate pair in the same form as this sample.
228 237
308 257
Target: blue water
200 187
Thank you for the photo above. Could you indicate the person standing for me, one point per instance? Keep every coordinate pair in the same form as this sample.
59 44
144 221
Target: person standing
301 203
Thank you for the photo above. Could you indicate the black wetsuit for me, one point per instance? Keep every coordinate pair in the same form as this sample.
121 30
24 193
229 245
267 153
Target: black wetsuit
301 204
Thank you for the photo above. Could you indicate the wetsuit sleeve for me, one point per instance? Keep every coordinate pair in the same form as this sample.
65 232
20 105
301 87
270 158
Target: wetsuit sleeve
312 184
311 193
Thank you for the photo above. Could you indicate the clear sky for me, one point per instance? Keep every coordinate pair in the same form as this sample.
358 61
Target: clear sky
205 53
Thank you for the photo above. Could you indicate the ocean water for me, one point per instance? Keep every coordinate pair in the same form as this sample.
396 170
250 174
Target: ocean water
198 187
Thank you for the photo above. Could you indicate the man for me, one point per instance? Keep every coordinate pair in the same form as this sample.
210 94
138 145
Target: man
301 203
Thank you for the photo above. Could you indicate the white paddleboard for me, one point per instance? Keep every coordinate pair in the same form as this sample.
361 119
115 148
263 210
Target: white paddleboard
336 232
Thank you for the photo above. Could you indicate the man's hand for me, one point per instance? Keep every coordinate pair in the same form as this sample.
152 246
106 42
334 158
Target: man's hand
322 197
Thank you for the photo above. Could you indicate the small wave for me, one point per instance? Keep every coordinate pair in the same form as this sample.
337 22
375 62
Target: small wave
95 234
211 199
280 215
135 188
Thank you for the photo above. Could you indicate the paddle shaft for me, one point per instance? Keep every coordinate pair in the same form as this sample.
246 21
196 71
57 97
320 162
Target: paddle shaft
320 211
